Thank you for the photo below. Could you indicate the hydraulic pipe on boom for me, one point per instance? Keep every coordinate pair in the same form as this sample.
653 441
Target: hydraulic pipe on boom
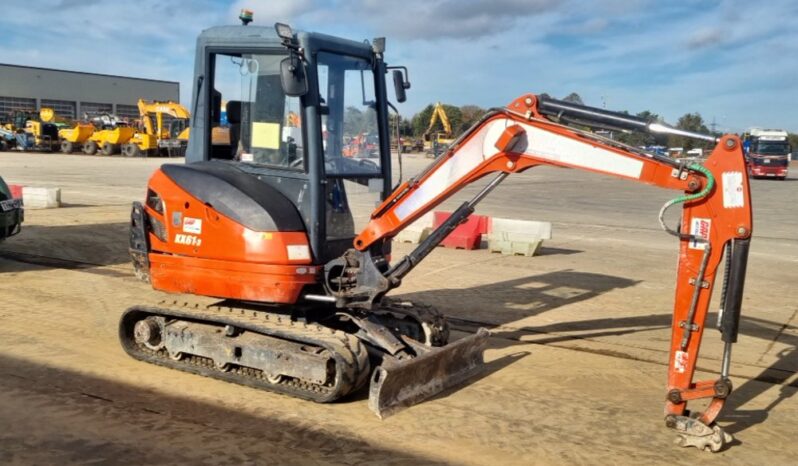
529 132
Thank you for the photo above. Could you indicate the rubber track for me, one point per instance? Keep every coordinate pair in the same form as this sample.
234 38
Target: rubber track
351 357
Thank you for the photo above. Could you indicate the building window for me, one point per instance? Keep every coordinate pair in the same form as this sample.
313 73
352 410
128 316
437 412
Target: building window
130 112
95 108
9 104
62 108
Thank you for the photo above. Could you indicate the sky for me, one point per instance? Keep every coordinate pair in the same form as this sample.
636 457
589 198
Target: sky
735 62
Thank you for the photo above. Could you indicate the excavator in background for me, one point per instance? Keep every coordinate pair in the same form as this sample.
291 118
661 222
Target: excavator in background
266 226
164 130
438 140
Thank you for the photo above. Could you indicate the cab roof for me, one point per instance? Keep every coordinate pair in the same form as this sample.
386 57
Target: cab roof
266 36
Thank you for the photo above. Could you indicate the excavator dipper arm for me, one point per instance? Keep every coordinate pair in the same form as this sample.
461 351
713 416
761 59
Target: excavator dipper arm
716 217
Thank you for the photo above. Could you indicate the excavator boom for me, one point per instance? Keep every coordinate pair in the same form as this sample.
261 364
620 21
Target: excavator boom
529 132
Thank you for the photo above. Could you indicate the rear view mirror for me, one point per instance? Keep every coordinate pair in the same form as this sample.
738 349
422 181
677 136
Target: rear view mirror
400 85
292 76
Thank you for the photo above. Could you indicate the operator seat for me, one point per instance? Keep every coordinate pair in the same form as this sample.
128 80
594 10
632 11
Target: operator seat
234 120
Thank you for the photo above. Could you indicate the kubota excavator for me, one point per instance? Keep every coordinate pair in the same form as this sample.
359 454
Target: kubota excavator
266 224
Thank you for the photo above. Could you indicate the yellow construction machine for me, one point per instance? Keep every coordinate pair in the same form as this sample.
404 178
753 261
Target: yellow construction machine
34 130
437 141
163 130
75 137
109 135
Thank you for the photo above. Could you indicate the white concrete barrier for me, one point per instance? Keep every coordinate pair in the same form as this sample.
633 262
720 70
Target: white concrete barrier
523 237
41 198
417 231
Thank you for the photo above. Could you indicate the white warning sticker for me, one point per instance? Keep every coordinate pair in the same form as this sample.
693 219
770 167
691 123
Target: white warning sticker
680 361
733 190
192 225
699 228
298 252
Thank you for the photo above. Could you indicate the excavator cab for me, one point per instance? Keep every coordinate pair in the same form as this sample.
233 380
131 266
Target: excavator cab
295 144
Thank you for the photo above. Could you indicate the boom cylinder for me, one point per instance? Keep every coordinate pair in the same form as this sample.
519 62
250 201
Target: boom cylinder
568 110
598 117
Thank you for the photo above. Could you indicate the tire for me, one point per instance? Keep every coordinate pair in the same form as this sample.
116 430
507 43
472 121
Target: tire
90 148
131 150
108 148
67 147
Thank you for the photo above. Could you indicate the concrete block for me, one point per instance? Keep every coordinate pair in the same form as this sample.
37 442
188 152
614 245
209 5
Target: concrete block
522 237
528 246
541 230
417 231
41 198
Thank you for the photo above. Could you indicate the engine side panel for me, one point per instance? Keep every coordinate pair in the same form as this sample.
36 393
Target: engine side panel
195 249
232 280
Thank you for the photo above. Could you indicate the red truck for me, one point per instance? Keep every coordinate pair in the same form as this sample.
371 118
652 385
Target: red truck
767 153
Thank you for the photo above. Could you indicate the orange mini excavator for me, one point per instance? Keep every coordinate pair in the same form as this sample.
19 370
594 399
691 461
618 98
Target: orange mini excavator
267 224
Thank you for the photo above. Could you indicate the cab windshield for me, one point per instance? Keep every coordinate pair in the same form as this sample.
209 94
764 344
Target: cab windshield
770 148
257 122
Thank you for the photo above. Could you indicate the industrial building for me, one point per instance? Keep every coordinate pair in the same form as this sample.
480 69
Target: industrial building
72 93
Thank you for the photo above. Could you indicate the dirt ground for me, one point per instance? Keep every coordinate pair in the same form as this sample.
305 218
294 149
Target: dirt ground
576 365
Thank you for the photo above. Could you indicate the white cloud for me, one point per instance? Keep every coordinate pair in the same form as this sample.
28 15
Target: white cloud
731 58
146 38
271 11
706 38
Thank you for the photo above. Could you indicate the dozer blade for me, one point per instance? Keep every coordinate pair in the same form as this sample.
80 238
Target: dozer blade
396 385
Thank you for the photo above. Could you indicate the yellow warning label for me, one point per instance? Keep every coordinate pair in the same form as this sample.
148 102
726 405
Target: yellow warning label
265 135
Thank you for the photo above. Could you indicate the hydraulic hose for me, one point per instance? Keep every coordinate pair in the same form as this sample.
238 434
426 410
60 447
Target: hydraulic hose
687 198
